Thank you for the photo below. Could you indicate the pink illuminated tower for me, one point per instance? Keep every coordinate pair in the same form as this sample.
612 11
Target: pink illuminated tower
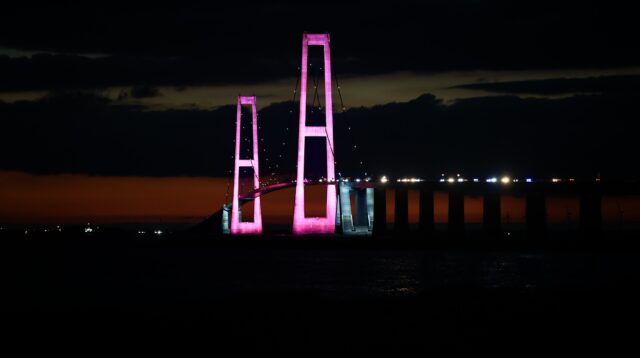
238 227
315 225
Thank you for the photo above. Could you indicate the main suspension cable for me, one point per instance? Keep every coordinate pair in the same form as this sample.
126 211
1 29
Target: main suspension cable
346 122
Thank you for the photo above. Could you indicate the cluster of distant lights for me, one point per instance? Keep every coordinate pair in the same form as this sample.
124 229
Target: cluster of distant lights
384 179
155 232
451 179
457 179
409 180
345 179
89 229
460 179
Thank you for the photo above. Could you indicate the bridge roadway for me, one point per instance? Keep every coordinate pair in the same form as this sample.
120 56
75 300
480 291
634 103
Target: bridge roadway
473 188
589 194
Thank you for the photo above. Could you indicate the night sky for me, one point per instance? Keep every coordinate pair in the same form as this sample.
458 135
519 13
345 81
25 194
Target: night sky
105 107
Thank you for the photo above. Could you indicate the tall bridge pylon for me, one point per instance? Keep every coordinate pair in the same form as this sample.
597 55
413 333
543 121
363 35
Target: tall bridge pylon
301 223
237 226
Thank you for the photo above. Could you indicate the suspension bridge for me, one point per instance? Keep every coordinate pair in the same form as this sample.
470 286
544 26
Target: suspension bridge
371 197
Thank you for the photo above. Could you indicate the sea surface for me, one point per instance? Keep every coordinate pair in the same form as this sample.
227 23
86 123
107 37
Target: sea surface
94 298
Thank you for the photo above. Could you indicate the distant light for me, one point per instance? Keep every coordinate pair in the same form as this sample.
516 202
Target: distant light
409 180
141 232
529 180
157 232
357 180
516 180
460 180
475 180
88 230
556 180
572 179
492 180
505 180
442 180
451 180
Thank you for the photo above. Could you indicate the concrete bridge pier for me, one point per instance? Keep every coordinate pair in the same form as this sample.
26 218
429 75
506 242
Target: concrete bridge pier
370 200
380 211
491 223
456 212
426 223
226 219
591 211
401 218
344 209
535 213
362 208
364 199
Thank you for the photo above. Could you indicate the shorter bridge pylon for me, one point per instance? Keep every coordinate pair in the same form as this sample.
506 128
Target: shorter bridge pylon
237 226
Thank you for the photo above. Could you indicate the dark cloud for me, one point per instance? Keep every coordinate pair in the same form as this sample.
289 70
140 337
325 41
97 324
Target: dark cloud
144 92
85 133
554 86
183 44
56 72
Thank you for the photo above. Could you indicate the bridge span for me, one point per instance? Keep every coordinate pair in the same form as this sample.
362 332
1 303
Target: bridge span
371 198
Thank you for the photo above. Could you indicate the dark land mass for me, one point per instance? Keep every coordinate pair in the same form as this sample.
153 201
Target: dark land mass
117 293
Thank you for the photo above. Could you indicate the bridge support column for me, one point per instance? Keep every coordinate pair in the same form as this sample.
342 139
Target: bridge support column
226 222
426 220
491 223
535 213
590 211
237 226
401 219
456 212
370 208
338 210
380 211
301 223
346 214
362 208
363 222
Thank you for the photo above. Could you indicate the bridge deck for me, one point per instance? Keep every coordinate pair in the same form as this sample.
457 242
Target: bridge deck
472 188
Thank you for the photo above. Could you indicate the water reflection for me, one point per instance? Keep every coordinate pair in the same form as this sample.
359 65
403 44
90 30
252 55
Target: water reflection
407 273
233 272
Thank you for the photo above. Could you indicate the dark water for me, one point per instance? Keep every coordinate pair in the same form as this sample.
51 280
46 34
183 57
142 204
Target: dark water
195 299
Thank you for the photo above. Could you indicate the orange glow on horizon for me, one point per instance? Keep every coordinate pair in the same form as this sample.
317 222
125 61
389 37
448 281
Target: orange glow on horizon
76 198
73 198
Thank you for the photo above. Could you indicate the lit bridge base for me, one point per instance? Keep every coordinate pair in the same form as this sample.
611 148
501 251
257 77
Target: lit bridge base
363 223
